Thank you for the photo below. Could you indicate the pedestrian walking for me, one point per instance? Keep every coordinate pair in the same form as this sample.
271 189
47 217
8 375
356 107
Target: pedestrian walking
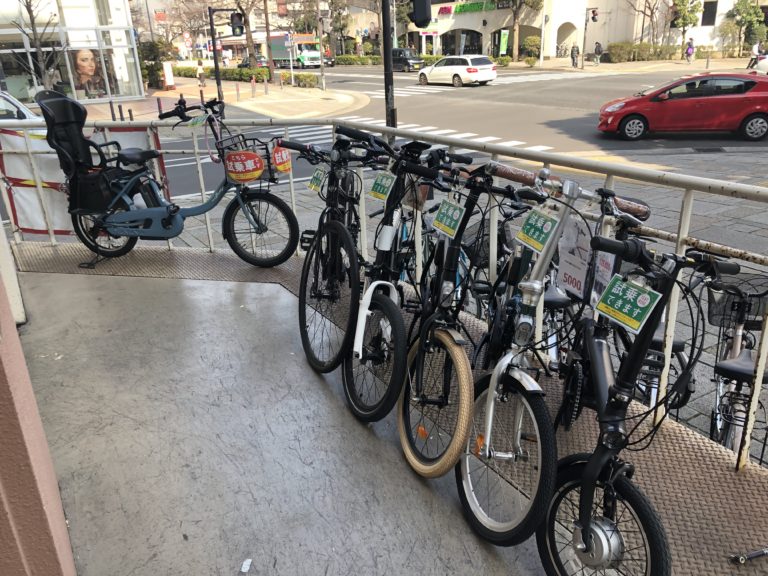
598 53
689 50
200 74
757 50
575 56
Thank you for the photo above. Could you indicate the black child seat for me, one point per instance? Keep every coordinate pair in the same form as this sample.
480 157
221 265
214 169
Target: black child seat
92 186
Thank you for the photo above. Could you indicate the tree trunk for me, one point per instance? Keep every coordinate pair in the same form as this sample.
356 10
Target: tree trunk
270 62
515 35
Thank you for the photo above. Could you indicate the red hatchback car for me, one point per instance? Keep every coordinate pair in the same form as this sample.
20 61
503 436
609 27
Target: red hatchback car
702 102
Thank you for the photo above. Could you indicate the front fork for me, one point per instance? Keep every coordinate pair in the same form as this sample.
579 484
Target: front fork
365 312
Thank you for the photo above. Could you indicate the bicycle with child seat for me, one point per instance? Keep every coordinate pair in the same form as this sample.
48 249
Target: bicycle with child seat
598 521
259 227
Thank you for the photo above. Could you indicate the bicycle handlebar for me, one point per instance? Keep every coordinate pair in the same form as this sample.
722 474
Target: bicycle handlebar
297 146
635 208
365 137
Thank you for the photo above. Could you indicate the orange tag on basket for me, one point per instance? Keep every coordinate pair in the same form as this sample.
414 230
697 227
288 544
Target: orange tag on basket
243 165
281 158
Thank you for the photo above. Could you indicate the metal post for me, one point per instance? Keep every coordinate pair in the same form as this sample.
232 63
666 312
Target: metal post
322 52
389 90
754 401
200 178
7 205
112 110
544 20
584 40
219 90
149 20
674 301
39 187
266 86
363 217
130 114
493 229
159 105
253 86
9 276
237 90
120 111
291 185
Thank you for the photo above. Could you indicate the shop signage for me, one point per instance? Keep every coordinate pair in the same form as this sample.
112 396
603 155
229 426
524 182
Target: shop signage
473 7
429 33
281 158
243 165
445 10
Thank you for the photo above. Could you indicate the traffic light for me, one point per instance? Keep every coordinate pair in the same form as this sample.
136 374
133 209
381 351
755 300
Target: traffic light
236 21
594 15
421 15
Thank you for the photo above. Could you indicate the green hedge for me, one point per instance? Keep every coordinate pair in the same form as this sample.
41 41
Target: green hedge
429 59
347 60
630 52
236 74
502 60
300 79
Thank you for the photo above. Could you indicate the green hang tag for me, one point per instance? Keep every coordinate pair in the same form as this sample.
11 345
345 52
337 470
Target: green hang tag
382 185
198 120
448 218
627 303
316 182
537 230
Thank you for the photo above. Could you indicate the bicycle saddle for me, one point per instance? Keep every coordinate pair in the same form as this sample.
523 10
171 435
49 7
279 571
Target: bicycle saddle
740 368
657 344
555 299
136 155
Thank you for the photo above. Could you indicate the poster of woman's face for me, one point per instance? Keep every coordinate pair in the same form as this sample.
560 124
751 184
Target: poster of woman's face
87 68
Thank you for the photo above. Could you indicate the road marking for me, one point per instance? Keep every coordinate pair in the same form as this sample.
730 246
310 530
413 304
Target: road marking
511 143
439 132
485 139
539 148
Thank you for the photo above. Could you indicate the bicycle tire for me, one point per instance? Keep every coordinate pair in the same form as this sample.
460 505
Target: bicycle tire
555 534
340 289
277 218
422 438
110 246
500 504
372 388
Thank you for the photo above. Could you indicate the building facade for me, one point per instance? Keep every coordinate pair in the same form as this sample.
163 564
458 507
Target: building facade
88 45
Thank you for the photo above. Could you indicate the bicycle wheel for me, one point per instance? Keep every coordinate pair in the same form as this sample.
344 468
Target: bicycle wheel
433 427
505 496
627 533
97 239
329 295
275 236
372 383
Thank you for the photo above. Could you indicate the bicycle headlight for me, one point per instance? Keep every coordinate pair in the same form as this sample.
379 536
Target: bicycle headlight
523 329
614 439
447 288
335 156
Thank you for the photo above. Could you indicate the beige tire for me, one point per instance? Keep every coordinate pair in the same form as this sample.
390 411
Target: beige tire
434 437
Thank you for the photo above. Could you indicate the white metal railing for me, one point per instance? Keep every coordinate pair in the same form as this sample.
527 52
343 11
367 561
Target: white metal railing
686 186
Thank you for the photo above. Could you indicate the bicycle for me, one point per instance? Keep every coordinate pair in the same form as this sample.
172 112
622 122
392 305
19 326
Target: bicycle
435 406
108 221
736 307
598 520
329 289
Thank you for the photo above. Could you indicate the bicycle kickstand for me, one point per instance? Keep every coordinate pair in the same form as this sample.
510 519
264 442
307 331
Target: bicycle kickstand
91 264
747 556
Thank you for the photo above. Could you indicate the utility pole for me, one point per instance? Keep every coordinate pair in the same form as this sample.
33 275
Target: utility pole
216 71
544 20
149 20
320 40
270 62
389 91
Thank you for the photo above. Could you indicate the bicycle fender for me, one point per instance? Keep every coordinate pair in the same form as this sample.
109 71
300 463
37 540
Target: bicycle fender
454 334
364 311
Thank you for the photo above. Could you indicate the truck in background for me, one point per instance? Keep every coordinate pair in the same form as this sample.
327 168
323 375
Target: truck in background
304 49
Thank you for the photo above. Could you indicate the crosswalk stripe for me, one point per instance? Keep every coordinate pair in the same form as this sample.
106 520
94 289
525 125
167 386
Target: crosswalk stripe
463 135
511 143
423 128
440 132
485 139
539 148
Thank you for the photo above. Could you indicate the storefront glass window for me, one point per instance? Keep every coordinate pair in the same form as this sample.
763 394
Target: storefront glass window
122 72
112 12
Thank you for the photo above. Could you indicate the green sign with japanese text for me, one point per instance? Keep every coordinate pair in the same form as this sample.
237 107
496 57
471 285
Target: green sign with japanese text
316 182
537 230
627 303
448 218
382 185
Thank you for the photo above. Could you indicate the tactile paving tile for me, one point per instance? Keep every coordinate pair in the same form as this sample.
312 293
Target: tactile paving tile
709 510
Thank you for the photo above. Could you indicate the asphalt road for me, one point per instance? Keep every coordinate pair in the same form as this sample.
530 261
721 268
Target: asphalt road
551 110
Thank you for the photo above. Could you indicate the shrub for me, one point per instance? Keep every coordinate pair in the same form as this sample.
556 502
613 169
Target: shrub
532 45
429 59
703 51
376 60
367 48
300 79
620 51
347 60
503 60
531 61
236 74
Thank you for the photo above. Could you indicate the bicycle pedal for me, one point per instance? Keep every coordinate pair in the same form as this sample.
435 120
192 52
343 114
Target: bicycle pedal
306 239
173 209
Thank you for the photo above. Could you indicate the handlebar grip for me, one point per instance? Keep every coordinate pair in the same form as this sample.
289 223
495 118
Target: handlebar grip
530 194
376 213
298 146
354 134
509 173
628 250
419 170
727 267
459 158
636 208
170 114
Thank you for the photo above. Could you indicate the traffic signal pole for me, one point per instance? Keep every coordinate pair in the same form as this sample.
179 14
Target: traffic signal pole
216 71
389 90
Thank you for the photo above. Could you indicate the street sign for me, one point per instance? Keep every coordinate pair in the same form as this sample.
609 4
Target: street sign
188 43
428 32
186 35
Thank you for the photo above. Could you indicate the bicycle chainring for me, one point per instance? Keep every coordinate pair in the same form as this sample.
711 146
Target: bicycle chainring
572 395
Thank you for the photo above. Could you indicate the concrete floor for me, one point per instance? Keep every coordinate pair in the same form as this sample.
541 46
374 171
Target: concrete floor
189 434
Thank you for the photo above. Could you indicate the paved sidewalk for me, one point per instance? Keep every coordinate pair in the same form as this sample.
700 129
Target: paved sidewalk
278 102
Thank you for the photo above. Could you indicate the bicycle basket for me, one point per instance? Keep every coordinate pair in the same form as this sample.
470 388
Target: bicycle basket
417 195
92 192
721 306
475 243
245 159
